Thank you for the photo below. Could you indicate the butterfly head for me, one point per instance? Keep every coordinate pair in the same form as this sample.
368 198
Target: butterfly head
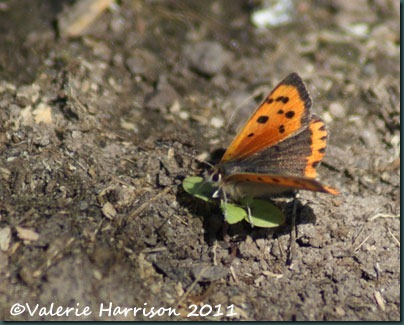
215 177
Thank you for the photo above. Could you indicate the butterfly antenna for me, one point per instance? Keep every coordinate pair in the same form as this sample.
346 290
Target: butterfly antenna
240 105
187 154
202 161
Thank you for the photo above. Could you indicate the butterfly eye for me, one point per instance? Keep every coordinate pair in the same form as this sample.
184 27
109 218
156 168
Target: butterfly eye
216 176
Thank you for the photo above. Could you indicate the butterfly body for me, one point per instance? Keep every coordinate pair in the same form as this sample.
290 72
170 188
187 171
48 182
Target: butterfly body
278 149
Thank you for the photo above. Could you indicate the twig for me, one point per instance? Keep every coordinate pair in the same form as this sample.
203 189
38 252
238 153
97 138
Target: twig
233 273
384 215
143 207
394 237
363 242
191 287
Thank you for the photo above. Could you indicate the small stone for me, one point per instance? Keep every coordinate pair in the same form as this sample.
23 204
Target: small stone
358 29
216 122
340 311
369 137
164 96
208 58
27 234
27 95
143 63
109 211
337 110
5 238
83 205
184 115
43 113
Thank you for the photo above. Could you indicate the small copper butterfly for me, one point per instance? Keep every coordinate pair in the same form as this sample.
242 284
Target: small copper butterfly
278 148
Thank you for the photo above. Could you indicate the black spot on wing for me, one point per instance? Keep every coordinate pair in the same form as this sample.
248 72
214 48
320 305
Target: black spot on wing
262 119
283 99
315 164
290 114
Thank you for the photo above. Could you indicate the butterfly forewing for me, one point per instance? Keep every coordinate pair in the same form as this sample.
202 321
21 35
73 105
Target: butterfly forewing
283 113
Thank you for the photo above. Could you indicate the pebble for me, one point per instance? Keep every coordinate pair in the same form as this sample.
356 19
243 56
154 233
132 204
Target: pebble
43 113
164 96
27 234
5 238
184 115
369 136
206 57
144 63
273 13
27 95
337 110
216 122
358 29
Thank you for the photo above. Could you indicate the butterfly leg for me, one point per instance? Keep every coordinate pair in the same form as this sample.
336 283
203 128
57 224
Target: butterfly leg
250 216
225 202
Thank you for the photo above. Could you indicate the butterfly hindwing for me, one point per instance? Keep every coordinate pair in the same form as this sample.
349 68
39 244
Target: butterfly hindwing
283 113
318 144
281 183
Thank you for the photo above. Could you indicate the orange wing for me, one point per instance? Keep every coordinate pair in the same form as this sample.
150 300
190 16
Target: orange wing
318 143
283 113
281 182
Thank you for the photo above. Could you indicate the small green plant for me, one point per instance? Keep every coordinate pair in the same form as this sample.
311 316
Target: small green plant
262 213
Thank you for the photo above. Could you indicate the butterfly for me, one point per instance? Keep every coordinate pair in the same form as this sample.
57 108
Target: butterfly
278 148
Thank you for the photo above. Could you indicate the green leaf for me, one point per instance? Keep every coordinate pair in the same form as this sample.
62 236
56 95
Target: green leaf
233 213
198 187
264 214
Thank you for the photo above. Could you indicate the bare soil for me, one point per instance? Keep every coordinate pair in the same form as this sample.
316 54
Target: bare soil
98 131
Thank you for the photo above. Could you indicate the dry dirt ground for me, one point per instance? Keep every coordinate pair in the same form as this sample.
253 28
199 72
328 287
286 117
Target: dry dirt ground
98 131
